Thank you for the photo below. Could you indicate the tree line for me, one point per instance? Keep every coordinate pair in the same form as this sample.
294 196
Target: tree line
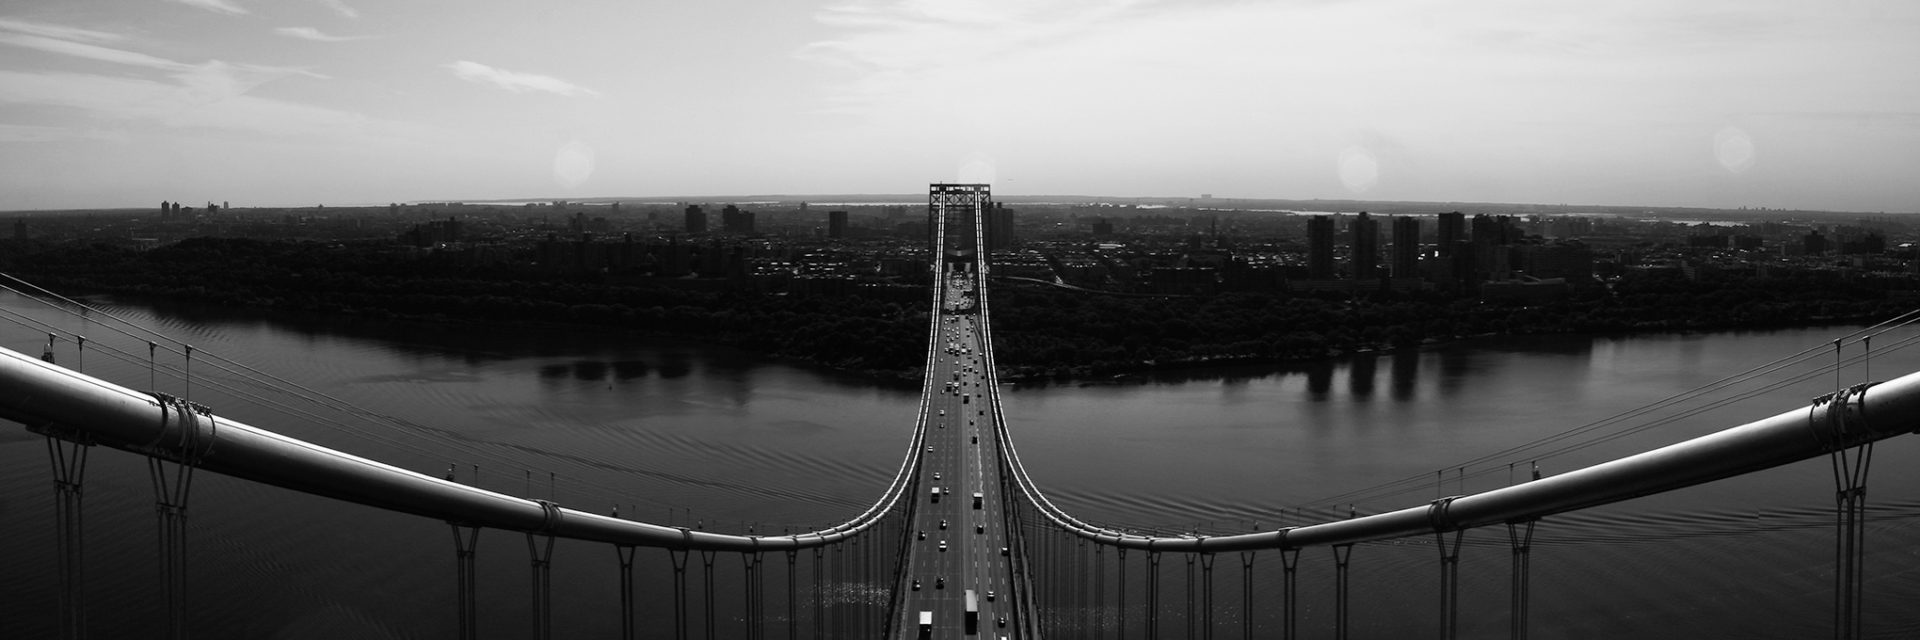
1041 331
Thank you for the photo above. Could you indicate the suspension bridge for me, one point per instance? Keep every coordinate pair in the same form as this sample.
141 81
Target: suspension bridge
960 543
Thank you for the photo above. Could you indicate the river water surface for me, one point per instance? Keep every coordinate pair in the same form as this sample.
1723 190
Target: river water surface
686 434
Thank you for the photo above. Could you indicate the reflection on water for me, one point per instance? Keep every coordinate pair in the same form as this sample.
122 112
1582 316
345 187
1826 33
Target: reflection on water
1406 373
1451 366
733 440
1319 379
673 366
1360 375
599 370
629 369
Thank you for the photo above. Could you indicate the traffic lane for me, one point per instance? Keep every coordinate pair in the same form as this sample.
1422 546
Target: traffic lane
927 563
998 574
925 567
974 564
991 571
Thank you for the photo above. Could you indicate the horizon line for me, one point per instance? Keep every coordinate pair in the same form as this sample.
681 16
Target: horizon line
805 198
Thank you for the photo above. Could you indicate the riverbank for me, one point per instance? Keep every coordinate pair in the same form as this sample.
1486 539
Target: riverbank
1042 332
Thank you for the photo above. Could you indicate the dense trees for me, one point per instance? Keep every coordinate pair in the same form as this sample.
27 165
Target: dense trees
1047 331
1041 331
853 332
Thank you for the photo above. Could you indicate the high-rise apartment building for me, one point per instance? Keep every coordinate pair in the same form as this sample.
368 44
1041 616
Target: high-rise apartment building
1320 248
1406 247
734 220
1452 232
696 219
999 227
836 224
1366 246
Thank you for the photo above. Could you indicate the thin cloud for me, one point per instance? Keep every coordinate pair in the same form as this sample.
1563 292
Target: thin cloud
903 35
211 96
216 6
91 52
216 80
515 81
340 7
310 33
26 38
59 32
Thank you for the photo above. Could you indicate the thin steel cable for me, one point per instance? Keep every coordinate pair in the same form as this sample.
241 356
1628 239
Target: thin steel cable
1379 491
93 314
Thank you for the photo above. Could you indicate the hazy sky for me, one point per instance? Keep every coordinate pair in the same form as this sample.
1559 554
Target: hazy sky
1811 104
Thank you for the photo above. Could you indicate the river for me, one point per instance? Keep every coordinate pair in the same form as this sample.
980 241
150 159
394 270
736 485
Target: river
686 434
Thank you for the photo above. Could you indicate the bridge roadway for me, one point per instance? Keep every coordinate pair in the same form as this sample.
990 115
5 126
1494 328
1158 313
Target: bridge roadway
959 461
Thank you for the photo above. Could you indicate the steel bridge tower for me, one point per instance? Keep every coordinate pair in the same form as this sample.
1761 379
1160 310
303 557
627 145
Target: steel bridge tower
966 206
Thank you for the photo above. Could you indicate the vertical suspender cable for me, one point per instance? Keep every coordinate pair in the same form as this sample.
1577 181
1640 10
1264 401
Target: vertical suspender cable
793 591
466 540
1122 588
1206 596
1342 554
1246 595
625 554
1153 595
1522 550
1289 592
679 558
706 580
68 455
1100 591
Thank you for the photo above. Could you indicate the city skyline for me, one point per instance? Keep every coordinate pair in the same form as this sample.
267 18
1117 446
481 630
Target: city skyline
1726 104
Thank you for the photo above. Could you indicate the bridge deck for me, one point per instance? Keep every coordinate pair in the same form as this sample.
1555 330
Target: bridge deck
957 544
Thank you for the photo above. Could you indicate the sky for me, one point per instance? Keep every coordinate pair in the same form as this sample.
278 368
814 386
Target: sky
1715 103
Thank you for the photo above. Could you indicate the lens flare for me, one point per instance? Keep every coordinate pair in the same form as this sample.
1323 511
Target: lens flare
1733 148
977 168
573 164
1359 170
